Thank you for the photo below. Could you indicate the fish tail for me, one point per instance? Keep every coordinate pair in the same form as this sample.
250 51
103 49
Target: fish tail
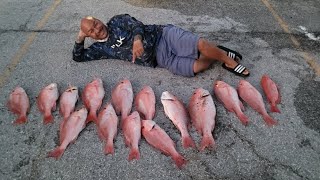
244 119
48 119
274 108
108 148
269 120
21 120
134 154
188 142
207 141
179 160
56 153
92 117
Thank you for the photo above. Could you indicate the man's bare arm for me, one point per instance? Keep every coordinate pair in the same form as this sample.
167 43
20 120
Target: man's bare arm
81 37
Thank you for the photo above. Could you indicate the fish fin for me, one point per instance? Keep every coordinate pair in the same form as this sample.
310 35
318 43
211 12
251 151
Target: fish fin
269 120
92 117
54 107
165 152
48 119
241 106
40 107
187 142
134 154
274 108
279 96
189 125
60 111
207 141
179 160
108 148
243 119
63 121
21 120
126 141
100 135
61 134
73 140
56 153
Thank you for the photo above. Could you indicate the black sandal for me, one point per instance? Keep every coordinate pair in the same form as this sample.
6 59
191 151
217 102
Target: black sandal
231 53
238 70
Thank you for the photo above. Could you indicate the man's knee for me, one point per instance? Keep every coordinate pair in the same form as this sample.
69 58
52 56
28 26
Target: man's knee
203 44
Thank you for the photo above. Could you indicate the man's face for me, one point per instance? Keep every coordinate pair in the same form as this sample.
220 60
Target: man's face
94 28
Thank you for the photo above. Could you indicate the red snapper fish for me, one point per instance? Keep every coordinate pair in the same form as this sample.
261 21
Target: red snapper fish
131 128
19 104
46 101
230 99
271 90
70 131
68 101
145 102
178 114
92 97
203 112
159 139
122 98
252 96
107 127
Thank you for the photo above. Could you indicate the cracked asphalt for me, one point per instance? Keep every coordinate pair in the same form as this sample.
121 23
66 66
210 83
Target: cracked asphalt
36 40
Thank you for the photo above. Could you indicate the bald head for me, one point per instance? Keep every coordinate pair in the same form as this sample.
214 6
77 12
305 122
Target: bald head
86 22
93 28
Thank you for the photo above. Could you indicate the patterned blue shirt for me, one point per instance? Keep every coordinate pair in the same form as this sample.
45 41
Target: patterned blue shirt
122 29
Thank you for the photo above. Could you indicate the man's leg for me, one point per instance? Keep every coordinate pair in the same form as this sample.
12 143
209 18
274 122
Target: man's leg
210 53
201 64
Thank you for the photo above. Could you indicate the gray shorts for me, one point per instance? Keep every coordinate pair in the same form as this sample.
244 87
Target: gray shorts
177 50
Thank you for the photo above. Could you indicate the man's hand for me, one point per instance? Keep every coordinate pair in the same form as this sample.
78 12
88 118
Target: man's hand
137 49
81 36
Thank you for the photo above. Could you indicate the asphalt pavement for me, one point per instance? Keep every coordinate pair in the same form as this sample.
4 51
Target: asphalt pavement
278 38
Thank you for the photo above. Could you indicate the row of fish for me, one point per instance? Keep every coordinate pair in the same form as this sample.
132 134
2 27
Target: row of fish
201 110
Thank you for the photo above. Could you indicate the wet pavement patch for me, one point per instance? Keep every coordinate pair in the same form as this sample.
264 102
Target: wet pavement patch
307 103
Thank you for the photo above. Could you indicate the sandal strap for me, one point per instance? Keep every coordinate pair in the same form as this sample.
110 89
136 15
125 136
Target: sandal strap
231 55
239 68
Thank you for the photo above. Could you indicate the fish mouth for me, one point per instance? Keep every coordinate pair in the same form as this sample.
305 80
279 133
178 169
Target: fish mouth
148 127
153 126
205 93
72 88
166 96
167 99
52 86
